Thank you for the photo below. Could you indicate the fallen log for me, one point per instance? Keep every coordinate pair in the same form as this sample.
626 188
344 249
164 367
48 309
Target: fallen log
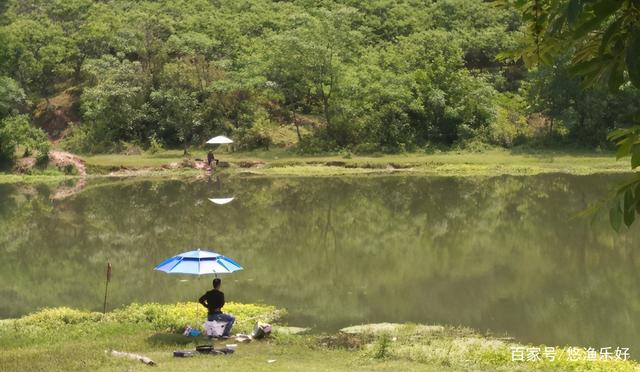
142 358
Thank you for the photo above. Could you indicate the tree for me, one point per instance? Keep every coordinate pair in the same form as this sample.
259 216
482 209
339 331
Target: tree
178 109
586 115
40 53
416 92
196 52
11 97
16 130
114 101
287 73
381 74
604 37
99 33
307 64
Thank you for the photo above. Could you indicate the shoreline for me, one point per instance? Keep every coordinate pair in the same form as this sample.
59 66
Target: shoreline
170 164
75 339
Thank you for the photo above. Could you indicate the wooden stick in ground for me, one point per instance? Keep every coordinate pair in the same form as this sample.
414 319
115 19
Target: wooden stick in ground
106 288
142 358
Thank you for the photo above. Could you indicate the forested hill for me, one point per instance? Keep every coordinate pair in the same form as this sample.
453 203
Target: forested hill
381 75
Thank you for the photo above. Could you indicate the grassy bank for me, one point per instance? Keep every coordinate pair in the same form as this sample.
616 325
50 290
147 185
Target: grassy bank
283 163
76 340
279 162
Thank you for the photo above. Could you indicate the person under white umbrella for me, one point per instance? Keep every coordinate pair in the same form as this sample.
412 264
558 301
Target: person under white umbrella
218 140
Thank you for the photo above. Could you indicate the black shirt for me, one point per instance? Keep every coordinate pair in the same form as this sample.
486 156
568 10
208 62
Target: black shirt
213 300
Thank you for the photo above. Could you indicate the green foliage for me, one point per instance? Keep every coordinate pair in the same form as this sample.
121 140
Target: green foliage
626 201
177 317
257 136
177 110
79 139
113 102
11 97
387 76
16 130
154 316
391 74
602 35
127 148
381 346
510 125
39 52
587 114
603 38
366 148
154 145
316 144
56 318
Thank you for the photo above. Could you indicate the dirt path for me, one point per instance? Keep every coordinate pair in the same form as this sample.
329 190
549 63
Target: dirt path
62 158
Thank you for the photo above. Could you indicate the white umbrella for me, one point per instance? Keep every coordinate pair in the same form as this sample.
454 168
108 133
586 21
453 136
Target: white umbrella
221 201
219 140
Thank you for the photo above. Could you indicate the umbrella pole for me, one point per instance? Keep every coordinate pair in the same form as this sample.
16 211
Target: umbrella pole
197 302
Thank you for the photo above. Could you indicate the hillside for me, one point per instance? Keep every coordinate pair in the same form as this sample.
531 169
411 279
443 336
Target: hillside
388 76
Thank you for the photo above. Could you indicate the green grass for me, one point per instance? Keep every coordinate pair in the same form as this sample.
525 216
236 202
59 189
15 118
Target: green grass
70 340
282 162
279 162
34 178
142 160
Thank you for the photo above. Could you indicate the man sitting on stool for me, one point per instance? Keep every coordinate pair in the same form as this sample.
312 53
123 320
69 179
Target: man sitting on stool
213 300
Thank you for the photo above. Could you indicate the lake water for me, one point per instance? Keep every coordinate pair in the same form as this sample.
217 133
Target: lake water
498 254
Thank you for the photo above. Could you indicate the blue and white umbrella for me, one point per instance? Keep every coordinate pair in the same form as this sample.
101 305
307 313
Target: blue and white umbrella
199 263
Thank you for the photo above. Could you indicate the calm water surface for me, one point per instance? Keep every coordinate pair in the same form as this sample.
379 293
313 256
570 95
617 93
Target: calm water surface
496 254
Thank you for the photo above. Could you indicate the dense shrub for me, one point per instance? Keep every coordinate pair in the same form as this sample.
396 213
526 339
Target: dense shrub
509 127
176 317
79 139
17 131
366 148
153 315
55 317
127 148
315 144
253 138
154 145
